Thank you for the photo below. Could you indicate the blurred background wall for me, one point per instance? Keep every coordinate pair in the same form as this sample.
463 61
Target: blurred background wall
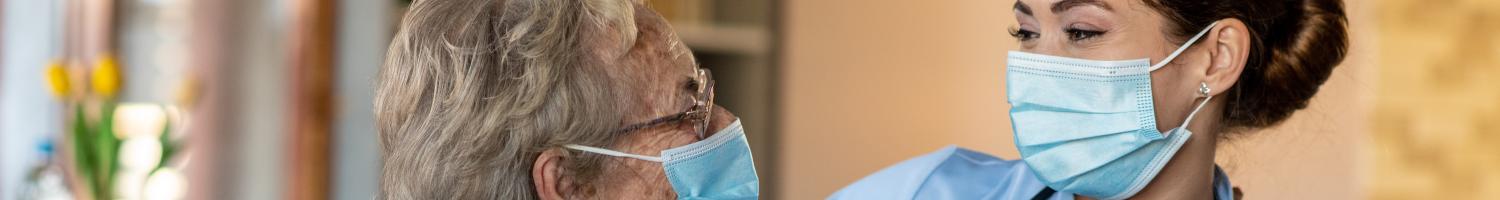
278 92
1437 112
230 62
29 43
870 83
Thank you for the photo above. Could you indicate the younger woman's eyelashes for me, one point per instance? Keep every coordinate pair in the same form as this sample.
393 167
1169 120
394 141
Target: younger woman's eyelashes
1074 34
1023 34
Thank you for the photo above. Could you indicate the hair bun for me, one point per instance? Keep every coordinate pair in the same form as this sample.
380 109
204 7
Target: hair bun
1295 44
1297 51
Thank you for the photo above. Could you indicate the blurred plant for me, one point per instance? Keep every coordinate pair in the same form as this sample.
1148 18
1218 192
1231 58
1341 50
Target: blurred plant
106 76
95 140
57 79
95 148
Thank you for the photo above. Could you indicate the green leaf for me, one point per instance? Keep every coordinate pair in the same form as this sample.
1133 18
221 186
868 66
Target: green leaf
83 150
168 147
110 144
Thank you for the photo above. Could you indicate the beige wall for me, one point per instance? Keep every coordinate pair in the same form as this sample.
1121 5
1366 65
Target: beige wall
868 83
1439 101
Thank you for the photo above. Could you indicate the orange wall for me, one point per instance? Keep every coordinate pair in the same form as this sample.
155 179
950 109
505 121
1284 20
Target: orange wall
868 83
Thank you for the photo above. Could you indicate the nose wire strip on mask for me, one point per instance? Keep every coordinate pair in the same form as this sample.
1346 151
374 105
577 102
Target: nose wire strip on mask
1183 48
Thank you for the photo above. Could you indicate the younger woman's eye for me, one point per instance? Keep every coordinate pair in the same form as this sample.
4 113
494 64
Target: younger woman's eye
1080 34
1023 34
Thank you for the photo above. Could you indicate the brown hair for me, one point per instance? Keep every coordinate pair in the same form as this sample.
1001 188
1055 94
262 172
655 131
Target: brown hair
1295 44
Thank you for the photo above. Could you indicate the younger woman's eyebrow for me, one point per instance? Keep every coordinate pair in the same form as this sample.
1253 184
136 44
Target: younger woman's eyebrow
1022 8
1064 5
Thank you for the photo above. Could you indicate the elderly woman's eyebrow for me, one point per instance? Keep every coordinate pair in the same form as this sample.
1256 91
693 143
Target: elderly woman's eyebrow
1064 5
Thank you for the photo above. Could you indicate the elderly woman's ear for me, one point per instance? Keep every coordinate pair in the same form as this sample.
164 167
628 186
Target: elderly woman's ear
546 175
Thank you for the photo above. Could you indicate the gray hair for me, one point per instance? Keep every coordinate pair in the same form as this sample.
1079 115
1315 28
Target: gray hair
472 91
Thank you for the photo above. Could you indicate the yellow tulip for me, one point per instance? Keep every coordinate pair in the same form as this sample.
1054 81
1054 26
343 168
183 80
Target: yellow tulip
187 92
57 79
106 76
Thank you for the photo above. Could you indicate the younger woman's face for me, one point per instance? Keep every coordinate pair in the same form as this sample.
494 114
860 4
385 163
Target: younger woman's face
1114 30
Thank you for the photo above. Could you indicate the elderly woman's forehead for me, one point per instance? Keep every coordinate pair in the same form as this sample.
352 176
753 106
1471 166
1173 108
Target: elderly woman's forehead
656 37
653 28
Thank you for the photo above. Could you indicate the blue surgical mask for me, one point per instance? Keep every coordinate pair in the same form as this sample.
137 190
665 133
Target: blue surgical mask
719 167
1088 127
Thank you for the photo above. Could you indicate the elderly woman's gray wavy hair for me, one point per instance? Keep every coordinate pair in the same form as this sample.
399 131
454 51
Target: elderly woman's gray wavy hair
472 91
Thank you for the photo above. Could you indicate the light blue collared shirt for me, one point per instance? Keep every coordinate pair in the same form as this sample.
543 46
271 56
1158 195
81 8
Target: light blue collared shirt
958 173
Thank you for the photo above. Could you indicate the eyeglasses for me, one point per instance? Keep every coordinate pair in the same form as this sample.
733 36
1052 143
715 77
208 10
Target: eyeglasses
701 110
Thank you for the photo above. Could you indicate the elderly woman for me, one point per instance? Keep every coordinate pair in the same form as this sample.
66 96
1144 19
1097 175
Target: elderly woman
552 99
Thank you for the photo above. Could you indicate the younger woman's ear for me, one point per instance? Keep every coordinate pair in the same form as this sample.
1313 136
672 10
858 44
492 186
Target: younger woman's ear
546 175
1231 50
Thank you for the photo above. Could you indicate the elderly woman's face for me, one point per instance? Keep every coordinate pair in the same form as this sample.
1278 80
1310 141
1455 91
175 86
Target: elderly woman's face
661 70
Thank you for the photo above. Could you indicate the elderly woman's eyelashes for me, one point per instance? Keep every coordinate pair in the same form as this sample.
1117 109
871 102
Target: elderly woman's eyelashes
690 85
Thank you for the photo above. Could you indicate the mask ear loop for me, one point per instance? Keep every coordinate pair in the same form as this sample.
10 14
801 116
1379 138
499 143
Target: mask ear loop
612 152
1184 47
1202 91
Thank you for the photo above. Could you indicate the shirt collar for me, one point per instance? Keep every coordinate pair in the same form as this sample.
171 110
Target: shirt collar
1222 189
